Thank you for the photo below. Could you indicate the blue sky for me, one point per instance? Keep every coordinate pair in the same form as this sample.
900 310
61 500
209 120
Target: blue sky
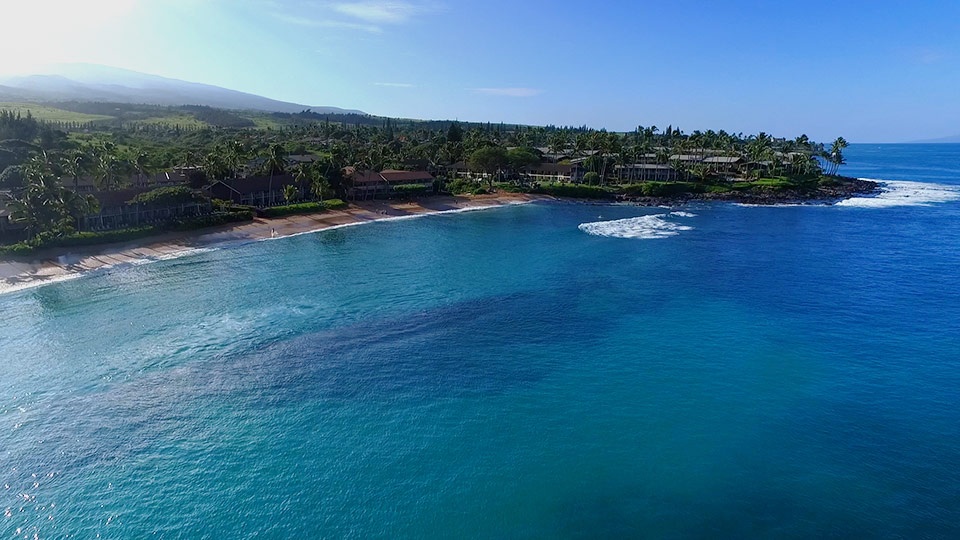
870 71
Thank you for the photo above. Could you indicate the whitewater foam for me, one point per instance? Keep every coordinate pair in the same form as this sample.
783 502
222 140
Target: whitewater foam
642 227
905 193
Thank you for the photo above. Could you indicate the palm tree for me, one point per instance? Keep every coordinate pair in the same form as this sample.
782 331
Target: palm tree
141 164
836 154
559 142
276 162
289 193
75 166
45 206
318 186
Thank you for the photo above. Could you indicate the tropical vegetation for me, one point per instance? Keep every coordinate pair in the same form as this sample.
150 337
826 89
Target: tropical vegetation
43 162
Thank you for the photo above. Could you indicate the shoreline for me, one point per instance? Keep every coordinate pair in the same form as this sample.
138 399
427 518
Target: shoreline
57 265
823 195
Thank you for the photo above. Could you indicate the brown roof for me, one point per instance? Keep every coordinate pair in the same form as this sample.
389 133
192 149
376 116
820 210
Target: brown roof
549 168
251 184
302 158
406 176
117 197
722 159
391 177
645 166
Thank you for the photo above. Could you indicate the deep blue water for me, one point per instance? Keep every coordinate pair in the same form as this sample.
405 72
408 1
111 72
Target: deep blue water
722 371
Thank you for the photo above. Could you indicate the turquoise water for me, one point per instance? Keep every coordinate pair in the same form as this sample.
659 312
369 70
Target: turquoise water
720 371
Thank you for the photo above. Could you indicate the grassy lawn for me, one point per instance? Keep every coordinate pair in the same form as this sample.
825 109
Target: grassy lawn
173 120
52 114
265 122
779 182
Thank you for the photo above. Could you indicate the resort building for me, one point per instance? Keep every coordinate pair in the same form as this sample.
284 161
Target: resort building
175 177
644 172
10 231
724 164
369 184
259 191
118 210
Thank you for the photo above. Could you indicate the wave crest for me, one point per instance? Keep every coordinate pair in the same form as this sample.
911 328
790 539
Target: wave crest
643 227
904 193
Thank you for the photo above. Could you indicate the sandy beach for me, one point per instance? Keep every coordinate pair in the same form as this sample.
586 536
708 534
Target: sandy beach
60 264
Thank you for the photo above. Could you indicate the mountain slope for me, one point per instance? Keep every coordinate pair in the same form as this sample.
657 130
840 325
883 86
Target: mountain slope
87 82
952 139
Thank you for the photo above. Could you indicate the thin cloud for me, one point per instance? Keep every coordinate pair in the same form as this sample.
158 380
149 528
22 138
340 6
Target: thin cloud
378 11
365 15
509 92
394 84
930 57
300 20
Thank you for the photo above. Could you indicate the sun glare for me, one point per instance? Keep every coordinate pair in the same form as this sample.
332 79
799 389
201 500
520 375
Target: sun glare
71 28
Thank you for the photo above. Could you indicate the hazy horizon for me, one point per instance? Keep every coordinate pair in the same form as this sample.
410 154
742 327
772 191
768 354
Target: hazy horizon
871 72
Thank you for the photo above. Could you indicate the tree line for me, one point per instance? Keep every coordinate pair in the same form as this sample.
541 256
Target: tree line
41 164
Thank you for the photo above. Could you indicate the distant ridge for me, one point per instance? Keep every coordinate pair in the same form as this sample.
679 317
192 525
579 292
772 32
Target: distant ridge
952 139
91 82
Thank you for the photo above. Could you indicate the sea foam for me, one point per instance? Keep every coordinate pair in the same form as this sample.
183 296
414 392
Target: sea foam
905 193
643 227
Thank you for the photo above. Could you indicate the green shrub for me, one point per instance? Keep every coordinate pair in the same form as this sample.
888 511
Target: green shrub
303 208
20 248
212 220
575 191
460 185
291 209
89 238
662 189
168 196
414 189
509 187
718 188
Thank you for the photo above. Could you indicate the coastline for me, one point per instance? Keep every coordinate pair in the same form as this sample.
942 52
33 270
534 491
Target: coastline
850 187
56 265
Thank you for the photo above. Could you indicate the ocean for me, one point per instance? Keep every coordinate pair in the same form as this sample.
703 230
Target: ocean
543 370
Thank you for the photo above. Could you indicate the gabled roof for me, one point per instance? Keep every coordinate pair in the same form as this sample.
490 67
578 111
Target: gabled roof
723 159
391 176
549 168
119 197
302 158
645 166
406 176
255 184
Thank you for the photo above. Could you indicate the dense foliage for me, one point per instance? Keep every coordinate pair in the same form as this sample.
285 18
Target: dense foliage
44 163
169 196
302 208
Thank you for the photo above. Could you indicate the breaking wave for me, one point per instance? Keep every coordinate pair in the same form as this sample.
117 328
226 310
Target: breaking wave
905 193
643 227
